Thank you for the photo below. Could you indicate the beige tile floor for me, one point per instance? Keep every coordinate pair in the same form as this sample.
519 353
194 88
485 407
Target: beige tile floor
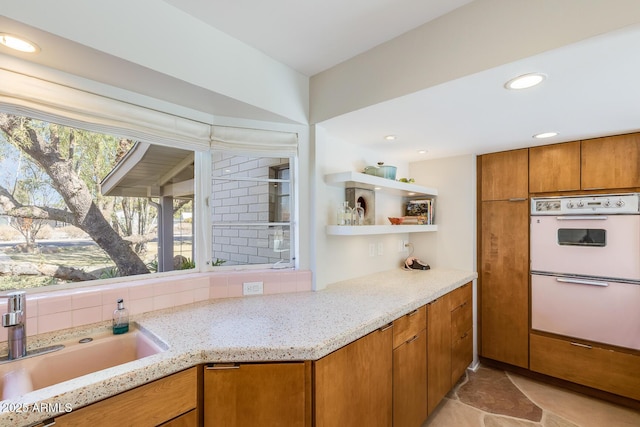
494 398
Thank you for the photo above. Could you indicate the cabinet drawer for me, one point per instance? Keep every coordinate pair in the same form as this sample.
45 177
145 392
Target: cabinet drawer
462 295
409 325
147 405
461 321
600 368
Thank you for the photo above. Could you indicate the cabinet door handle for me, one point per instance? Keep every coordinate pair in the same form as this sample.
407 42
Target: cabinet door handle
222 366
415 337
518 199
577 344
414 312
48 423
386 327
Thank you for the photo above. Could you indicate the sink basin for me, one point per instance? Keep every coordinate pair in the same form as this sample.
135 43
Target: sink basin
79 357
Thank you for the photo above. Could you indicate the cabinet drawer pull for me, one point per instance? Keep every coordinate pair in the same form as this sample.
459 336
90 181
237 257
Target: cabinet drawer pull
386 327
415 337
464 335
49 422
518 199
222 366
577 344
414 312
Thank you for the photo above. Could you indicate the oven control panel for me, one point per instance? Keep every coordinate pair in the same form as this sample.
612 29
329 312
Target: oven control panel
585 205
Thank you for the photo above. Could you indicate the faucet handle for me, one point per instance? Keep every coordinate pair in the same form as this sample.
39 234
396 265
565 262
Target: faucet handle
16 301
12 318
16 309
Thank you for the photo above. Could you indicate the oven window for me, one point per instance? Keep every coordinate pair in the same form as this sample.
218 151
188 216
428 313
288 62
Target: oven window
582 237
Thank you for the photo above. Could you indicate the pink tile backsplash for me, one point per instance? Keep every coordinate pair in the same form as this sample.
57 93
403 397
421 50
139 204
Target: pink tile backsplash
56 310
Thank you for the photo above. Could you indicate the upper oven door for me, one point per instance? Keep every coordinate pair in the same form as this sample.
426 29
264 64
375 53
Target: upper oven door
587 245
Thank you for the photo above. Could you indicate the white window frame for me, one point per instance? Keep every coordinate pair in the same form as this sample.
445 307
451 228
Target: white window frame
292 223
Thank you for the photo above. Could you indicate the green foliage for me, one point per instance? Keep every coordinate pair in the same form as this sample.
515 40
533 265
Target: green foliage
218 262
153 265
187 264
110 273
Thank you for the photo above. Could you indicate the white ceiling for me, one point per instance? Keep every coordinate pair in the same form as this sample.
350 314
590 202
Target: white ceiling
592 87
313 35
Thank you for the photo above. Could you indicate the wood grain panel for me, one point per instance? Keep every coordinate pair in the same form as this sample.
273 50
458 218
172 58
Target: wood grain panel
410 382
409 325
504 282
554 167
265 394
600 368
438 351
147 405
505 175
611 163
353 385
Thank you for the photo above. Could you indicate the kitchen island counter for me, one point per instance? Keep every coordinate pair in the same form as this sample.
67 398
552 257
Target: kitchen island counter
282 327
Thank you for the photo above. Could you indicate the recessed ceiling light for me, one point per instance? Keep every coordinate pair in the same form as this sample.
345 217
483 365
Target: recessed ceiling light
422 151
18 43
545 135
525 81
390 137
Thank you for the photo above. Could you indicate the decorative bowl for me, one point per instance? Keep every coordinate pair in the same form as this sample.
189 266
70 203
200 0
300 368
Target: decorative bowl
396 221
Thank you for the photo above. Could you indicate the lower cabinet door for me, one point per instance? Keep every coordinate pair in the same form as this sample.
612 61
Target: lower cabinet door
353 385
410 382
604 369
264 394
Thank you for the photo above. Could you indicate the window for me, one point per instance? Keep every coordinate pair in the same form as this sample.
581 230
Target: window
251 210
123 179
77 205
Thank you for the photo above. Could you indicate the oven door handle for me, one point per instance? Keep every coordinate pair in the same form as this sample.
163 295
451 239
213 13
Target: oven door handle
582 217
582 281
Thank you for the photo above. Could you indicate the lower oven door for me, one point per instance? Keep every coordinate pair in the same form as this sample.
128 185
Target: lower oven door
587 245
594 310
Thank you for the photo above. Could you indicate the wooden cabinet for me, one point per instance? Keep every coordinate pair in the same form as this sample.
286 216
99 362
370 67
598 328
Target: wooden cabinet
504 258
554 167
410 369
265 394
611 162
149 405
438 351
353 385
461 305
504 282
504 175
586 364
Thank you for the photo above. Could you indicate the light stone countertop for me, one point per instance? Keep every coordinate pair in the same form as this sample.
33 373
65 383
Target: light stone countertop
281 327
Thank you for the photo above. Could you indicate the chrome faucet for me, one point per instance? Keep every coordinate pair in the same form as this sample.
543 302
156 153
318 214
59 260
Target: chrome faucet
16 320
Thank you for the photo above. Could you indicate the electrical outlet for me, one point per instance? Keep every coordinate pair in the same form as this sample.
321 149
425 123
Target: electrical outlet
372 249
400 245
380 248
252 288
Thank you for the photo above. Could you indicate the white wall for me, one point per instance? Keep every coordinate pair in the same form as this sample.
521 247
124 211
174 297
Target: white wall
343 257
454 244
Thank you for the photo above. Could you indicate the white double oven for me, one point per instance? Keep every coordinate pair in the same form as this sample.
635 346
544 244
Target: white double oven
585 267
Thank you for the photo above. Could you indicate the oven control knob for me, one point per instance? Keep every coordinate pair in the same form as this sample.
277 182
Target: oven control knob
570 205
606 203
580 204
620 203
